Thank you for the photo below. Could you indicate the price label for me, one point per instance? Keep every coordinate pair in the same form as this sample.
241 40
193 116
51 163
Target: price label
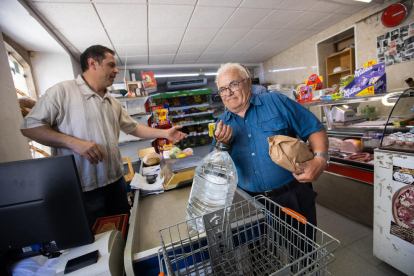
369 63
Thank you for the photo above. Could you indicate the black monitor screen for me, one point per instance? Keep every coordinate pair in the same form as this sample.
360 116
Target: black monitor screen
41 201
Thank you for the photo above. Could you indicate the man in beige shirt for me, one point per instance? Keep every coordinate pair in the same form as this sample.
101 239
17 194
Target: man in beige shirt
80 117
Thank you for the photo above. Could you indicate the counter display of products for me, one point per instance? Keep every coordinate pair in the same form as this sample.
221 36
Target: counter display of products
399 132
354 134
353 139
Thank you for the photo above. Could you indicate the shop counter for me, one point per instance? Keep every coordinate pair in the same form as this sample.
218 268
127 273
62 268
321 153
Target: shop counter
149 215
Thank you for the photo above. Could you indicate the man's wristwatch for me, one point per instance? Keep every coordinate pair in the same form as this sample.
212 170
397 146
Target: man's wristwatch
327 157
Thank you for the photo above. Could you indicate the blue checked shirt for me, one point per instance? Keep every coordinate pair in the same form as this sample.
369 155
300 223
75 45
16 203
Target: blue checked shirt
267 115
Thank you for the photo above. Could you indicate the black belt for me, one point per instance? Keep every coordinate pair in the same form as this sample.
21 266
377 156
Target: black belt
277 192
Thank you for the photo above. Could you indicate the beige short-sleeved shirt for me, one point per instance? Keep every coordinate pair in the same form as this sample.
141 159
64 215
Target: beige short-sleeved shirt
72 108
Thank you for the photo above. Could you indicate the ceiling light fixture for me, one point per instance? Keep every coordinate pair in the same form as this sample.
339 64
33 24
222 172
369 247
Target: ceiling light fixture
210 74
365 1
386 97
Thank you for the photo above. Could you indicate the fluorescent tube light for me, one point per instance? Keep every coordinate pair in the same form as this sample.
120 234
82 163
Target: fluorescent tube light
288 69
365 1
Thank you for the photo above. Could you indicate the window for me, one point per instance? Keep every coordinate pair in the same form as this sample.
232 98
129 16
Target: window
19 77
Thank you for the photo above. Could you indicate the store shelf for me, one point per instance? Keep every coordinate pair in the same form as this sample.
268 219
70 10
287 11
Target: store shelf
140 98
192 114
373 98
183 93
199 123
197 134
163 126
218 113
340 72
140 114
188 107
217 104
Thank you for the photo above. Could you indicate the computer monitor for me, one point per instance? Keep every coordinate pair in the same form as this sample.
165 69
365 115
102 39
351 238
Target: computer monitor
41 201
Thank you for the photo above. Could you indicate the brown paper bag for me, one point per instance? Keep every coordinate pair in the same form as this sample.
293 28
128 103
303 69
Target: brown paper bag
287 151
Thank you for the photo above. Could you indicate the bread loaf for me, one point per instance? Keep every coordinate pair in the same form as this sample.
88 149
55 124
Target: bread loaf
152 159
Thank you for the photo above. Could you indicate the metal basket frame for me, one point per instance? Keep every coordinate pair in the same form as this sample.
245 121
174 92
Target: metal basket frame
252 237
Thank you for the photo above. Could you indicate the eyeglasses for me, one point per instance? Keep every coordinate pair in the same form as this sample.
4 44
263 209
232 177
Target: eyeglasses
233 87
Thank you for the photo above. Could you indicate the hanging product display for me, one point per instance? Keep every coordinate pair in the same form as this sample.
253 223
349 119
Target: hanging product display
367 81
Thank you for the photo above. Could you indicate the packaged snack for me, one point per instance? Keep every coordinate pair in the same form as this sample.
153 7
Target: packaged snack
345 81
176 101
190 100
204 99
197 99
183 101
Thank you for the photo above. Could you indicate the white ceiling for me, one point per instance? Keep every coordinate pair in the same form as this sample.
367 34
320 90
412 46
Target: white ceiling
154 32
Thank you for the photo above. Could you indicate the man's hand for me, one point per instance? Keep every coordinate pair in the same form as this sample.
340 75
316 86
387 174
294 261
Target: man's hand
174 135
312 169
223 133
90 150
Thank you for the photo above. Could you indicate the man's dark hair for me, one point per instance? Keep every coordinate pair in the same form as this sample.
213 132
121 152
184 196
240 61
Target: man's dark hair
97 52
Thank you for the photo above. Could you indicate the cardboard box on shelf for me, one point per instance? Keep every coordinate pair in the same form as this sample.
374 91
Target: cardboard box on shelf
367 81
150 84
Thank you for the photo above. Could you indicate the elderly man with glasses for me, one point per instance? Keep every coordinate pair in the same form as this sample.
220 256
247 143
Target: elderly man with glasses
246 125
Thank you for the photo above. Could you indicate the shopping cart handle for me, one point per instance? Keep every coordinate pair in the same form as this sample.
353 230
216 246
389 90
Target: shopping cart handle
295 215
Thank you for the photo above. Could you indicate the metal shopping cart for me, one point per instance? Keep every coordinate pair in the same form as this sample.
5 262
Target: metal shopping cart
251 237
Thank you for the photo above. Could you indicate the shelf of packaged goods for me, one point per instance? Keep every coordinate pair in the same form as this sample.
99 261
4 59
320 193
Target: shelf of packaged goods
189 106
340 72
217 104
197 134
184 93
198 123
192 114
162 126
139 114
140 98
373 98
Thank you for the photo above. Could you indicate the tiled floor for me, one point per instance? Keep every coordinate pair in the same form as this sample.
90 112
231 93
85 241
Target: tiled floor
354 257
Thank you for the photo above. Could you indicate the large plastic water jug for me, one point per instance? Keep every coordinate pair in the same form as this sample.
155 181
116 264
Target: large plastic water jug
214 185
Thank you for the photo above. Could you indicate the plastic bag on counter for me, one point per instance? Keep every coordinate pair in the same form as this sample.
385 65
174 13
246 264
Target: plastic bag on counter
286 151
188 151
152 159
174 152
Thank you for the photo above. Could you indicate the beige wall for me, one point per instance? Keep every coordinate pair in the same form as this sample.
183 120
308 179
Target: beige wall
13 145
304 53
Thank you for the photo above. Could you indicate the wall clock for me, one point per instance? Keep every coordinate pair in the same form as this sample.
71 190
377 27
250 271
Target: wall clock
394 15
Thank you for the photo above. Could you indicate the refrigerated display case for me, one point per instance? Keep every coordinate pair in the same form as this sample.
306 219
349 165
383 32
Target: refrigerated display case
394 188
355 127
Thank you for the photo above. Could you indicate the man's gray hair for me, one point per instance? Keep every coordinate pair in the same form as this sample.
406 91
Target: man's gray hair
233 66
